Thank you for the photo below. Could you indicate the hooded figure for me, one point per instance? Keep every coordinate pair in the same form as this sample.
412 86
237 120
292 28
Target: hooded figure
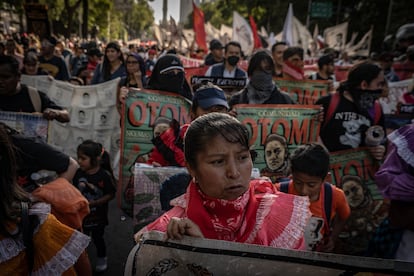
168 75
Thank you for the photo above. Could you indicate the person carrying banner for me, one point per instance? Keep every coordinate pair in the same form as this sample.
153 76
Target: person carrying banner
17 97
168 75
216 53
261 88
309 168
228 68
352 115
221 201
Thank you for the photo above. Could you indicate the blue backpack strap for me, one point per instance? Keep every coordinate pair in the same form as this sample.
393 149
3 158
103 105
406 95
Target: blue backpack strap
328 202
284 186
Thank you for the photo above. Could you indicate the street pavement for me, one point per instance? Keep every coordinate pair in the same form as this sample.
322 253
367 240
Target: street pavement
119 241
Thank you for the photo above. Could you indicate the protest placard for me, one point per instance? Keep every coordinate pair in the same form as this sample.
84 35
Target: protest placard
278 126
304 91
141 109
27 123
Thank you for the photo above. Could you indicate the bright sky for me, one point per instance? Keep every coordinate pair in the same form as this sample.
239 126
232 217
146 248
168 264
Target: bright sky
173 9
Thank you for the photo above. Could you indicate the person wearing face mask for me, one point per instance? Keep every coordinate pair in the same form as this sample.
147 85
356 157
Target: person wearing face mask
228 68
168 75
355 110
261 89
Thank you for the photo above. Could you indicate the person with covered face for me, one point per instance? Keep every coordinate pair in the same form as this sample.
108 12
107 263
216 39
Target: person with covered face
261 88
221 201
353 109
228 68
168 75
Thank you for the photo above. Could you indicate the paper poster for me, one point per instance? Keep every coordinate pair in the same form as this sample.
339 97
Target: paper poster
303 91
276 130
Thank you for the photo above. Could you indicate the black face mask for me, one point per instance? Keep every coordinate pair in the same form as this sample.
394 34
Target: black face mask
233 60
171 82
366 98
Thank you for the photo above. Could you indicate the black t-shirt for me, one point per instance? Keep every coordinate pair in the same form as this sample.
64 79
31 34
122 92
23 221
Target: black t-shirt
347 127
93 187
33 155
21 102
56 66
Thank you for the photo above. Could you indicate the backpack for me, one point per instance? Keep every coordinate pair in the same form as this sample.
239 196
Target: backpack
336 97
327 208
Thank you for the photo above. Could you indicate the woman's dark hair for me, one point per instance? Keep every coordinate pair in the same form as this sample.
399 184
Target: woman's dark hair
98 155
141 63
256 62
364 71
11 193
206 127
106 65
311 159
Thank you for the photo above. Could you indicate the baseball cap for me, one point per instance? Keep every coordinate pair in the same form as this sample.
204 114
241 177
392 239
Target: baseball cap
210 96
169 62
215 44
95 52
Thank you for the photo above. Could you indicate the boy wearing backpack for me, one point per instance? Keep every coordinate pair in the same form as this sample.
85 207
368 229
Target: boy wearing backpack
329 208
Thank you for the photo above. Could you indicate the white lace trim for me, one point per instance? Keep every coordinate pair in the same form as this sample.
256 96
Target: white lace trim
402 147
9 247
262 212
66 257
293 232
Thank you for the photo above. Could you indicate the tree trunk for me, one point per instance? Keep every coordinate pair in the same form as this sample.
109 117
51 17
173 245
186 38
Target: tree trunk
85 19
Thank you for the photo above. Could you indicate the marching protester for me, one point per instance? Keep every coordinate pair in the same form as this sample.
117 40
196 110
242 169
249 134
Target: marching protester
96 181
168 75
353 110
326 69
50 62
113 65
18 97
309 169
277 54
221 201
37 243
216 53
228 68
31 65
293 63
261 88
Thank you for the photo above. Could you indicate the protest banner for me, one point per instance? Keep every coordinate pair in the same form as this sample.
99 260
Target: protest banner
224 83
141 109
305 92
155 255
353 171
92 110
396 89
278 126
27 123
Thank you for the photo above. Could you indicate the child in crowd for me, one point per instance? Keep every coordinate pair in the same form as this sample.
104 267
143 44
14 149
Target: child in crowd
96 181
330 210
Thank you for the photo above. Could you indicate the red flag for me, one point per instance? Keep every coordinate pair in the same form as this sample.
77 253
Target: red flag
257 41
198 25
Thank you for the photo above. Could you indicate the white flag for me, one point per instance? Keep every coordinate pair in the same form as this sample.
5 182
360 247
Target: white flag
287 34
242 33
226 33
352 41
363 47
335 36
301 35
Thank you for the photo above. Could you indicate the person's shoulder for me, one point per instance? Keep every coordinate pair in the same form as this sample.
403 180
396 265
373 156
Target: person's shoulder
324 100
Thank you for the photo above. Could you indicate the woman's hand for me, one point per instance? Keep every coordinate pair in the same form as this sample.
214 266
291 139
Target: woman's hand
122 94
177 227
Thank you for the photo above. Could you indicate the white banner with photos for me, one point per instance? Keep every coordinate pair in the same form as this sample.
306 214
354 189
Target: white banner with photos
92 109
